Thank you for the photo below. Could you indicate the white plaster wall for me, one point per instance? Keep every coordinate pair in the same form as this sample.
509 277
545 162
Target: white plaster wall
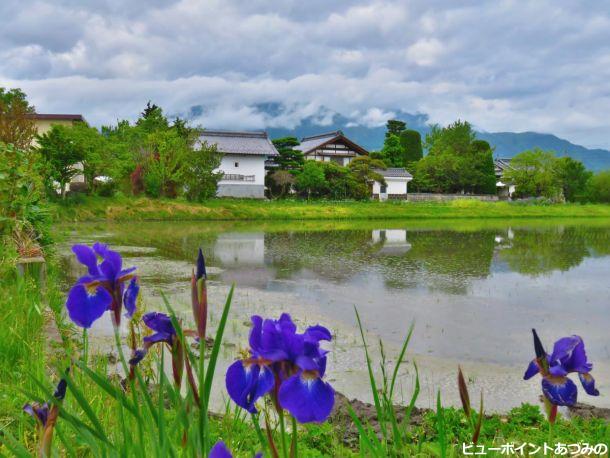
248 165
395 185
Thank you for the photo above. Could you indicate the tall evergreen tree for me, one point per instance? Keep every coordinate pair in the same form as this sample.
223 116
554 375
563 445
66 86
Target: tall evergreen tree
289 158
394 127
410 141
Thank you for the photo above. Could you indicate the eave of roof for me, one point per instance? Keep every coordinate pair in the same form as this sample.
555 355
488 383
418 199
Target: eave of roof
56 117
327 138
240 142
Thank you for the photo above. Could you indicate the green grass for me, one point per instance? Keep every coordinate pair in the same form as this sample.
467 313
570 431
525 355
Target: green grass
86 208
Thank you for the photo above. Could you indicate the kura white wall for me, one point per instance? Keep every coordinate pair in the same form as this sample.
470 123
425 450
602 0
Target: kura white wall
243 164
394 186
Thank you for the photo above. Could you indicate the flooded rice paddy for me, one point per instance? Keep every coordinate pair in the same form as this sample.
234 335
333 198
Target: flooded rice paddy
474 290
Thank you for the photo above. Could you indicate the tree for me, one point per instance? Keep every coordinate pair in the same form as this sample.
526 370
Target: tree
366 171
289 158
96 158
394 127
152 119
200 178
16 123
392 151
341 183
466 165
280 182
598 187
311 181
574 177
534 173
410 142
61 154
167 154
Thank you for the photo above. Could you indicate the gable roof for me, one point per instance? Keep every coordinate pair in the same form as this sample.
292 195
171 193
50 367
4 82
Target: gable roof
501 165
309 144
232 142
394 172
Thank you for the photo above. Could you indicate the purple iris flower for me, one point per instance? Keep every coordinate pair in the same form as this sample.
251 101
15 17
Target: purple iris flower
46 414
164 333
568 356
220 450
102 288
286 364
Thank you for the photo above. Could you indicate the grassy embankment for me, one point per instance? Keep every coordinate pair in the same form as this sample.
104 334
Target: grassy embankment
138 209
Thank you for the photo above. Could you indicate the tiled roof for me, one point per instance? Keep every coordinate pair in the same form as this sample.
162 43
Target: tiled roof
313 142
56 117
229 142
394 172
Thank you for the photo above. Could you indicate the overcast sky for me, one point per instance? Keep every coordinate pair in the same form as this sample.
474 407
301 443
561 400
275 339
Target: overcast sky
541 65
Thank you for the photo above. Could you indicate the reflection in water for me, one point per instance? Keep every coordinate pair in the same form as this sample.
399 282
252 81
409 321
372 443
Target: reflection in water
474 291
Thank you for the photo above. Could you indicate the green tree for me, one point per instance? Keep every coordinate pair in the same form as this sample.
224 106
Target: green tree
16 123
311 182
394 127
456 161
574 177
22 203
152 119
392 151
410 142
200 175
164 169
598 187
341 183
61 155
93 146
289 157
366 171
534 173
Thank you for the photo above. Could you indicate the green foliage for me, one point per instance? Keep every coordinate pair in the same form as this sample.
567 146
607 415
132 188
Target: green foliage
16 124
573 177
393 151
200 179
290 157
22 192
311 182
598 187
456 162
534 172
394 127
60 154
152 119
95 154
410 141
365 171
279 183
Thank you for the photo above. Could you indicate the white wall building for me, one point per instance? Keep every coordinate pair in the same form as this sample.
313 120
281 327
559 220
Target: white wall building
397 180
243 161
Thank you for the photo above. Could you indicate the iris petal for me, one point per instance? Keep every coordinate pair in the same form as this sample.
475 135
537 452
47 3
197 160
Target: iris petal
84 308
220 450
112 264
159 322
560 391
87 257
307 399
317 333
38 412
159 337
569 353
531 370
246 384
588 383
130 297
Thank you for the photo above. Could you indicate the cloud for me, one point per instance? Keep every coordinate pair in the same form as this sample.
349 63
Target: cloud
503 65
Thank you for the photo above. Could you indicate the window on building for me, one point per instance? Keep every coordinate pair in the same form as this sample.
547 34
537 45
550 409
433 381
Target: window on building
384 189
236 164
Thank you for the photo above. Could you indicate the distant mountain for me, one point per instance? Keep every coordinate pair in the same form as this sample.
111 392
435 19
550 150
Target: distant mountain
507 144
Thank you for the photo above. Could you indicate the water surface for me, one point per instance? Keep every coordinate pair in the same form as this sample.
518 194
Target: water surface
473 288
